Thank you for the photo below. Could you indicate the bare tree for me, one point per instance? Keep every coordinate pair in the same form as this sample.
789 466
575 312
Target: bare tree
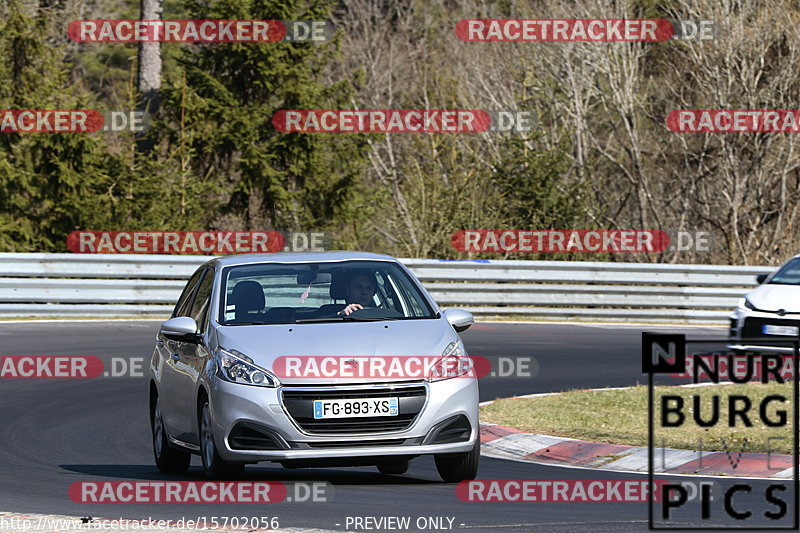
744 185
149 74
603 104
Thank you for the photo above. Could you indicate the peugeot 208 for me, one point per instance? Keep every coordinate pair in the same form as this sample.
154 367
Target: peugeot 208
306 360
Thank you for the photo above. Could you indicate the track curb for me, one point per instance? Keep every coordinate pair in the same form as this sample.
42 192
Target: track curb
504 442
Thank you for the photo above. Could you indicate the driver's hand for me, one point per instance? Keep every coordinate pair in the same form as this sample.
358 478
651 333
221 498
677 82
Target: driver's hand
350 308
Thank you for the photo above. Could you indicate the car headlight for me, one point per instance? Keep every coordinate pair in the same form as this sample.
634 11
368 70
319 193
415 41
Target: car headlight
236 367
453 363
744 303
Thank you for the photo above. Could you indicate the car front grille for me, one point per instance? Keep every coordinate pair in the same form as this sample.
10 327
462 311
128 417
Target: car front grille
753 327
299 404
351 444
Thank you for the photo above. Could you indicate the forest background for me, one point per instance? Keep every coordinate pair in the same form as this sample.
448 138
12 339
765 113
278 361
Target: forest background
600 156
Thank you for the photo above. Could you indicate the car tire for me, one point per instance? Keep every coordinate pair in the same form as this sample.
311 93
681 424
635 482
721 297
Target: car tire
213 465
459 467
394 468
168 459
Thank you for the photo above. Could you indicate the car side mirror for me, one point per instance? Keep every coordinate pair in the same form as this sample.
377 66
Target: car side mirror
761 278
181 328
459 319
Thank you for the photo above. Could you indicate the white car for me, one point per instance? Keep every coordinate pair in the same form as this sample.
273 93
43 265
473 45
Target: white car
771 312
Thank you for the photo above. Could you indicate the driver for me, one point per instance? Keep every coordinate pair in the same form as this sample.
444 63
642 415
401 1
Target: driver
360 291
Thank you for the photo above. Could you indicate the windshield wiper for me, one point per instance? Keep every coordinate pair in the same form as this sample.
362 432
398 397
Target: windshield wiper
368 318
246 324
342 319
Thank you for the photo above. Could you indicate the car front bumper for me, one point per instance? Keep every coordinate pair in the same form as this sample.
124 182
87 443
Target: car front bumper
234 405
745 333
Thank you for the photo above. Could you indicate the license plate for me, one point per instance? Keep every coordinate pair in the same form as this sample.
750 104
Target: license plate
351 408
792 331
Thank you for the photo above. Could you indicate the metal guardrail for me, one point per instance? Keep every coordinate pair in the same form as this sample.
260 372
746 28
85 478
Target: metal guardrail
148 286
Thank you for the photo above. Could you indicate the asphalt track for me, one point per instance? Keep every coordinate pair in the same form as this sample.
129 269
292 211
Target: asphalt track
59 431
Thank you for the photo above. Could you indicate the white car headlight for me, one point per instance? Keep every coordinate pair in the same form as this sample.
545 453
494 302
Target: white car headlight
236 367
744 303
454 363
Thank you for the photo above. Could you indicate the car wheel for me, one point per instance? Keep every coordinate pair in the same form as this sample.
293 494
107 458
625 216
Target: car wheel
394 468
213 465
168 459
459 467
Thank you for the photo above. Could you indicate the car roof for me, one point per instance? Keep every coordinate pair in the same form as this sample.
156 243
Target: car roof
300 257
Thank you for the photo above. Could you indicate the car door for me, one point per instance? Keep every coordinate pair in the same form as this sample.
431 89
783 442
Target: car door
170 353
194 357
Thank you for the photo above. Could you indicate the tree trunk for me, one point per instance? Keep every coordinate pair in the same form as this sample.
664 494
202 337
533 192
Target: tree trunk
149 75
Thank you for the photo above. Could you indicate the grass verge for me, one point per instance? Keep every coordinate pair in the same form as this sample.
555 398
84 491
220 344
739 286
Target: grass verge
620 417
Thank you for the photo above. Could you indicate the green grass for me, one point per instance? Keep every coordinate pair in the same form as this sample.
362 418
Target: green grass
620 417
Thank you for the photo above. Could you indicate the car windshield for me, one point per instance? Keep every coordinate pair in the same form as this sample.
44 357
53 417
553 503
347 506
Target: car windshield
274 293
789 274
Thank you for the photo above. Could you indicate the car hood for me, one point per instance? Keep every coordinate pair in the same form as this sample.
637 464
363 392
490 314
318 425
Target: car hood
264 344
773 296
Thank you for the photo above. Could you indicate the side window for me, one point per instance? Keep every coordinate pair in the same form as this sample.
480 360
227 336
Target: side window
411 307
202 299
386 293
182 307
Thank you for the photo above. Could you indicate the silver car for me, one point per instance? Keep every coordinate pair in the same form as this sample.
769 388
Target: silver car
221 386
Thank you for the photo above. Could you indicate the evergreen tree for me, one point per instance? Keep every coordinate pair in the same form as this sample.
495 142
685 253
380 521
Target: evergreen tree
286 181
